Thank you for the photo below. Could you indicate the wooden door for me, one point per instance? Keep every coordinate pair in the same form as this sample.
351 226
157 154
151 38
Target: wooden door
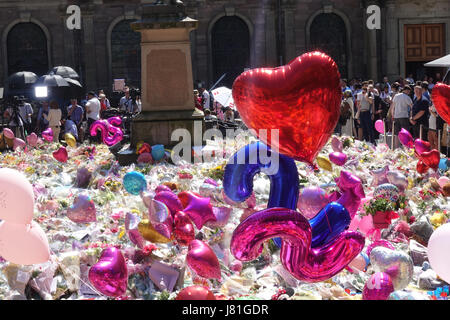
424 42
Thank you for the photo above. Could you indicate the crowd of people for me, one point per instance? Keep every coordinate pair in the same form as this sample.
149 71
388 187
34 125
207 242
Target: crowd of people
212 109
405 103
74 118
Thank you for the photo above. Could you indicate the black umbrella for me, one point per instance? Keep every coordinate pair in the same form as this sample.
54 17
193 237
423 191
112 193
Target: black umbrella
65 72
22 79
75 89
51 80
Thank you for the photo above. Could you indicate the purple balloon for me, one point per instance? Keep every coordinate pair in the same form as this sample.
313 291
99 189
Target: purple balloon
422 146
297 256
336 144
222 215
398 179
338 158
110 275
171 200
378 287
380 176
83 210
311 200
352 192
131 227
406 138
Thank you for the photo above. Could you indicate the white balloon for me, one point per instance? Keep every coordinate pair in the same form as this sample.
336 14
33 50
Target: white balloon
439 251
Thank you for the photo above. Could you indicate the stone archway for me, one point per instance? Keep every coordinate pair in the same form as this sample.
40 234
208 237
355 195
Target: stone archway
26 48
124 52
217 30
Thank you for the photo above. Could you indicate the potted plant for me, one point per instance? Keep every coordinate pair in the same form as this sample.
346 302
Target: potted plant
382 211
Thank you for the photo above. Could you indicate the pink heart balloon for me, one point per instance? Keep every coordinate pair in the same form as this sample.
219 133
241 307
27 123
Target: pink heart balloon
171 200
222 215
61 154
8 133
406 138
202 259
338 158
198 208
83 210
183 229
47 134
19 143
422 146
162 188
32 139
110 274
16 197
23 243
311 200
158 212
145 158
131 227
336 144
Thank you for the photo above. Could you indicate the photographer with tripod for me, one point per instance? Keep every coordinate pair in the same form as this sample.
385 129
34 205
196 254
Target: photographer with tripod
19 113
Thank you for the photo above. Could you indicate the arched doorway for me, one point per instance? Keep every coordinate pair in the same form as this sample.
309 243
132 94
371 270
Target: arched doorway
230 44
126 53
329 35
27 49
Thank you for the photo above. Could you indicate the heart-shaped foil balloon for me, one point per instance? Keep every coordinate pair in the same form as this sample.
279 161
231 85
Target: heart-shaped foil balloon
47 134
301 100
158 212
19 143
83 210
441 100
222 215
202 259
170 199
338 158
131 226
431 159
195 293
398 179
336 144
110 275
32 139
150 233
397 264
422 146
183 228
61 154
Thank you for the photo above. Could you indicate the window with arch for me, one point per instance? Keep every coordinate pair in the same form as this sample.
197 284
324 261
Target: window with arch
230 40
126 53
27 49
329 35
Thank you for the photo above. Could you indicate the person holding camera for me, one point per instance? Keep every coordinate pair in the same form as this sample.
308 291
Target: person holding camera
42 123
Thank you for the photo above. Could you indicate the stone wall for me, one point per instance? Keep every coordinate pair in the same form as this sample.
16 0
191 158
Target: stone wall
261 16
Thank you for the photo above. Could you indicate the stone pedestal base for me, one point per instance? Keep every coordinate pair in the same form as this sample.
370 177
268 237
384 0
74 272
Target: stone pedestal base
157 127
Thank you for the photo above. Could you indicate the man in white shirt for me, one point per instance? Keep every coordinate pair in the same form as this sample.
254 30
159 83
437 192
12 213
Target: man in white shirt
205 98
400 105
26 112
92 114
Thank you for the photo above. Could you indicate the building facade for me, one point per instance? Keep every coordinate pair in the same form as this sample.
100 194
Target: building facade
232 35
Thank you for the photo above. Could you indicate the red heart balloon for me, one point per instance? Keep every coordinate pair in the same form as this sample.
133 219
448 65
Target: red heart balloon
61 154
301 100
195 293
421 167
183 229
431 158
441 100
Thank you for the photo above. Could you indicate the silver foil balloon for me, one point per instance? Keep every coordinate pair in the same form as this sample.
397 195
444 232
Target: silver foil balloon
397 264
398 179
380 176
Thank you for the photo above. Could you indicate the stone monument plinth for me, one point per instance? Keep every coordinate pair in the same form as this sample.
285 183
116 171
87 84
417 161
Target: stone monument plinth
167 83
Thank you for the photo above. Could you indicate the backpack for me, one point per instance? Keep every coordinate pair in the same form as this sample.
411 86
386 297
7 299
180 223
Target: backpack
346 113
